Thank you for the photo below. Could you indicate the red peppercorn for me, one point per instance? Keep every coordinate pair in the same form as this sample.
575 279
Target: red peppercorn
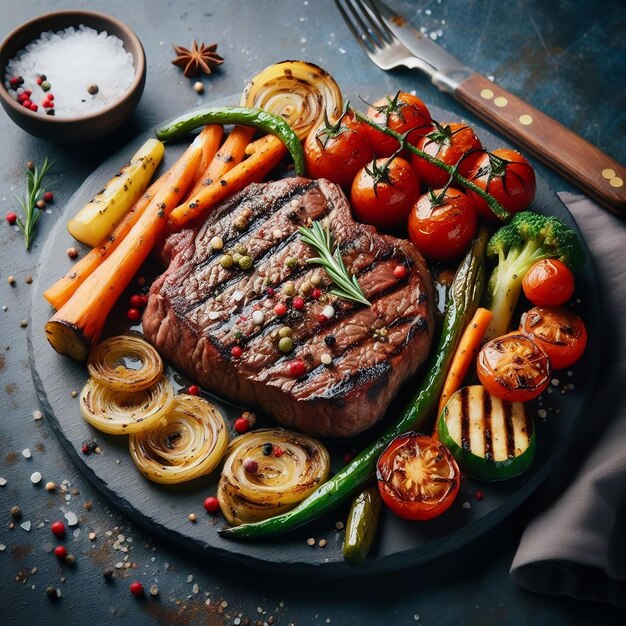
136 301
321 318
21 97
479 495
400 271
39 80
60 552
33 106
211 504
193 390
242 425
251 465
58 528
14 80
280 309
27 92
296 368
50 96
85 449
278 451
298 303
136 588
11 218
26 102
236 352
270 291
144 299
316 293
45 104
134 315
347 457
48 196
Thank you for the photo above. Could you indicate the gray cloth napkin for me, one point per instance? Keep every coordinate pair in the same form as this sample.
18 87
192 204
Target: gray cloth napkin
576 546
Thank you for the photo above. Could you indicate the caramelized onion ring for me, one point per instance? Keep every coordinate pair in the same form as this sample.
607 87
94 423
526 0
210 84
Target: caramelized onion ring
188 442
279 482
106 363
297 91
122 412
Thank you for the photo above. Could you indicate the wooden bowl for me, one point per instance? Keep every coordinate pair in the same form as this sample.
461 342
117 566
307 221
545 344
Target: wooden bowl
84 127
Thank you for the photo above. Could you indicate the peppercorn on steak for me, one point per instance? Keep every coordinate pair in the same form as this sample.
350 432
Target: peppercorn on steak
241 312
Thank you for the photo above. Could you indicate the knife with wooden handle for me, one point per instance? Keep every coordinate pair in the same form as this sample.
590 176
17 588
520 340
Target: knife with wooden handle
585 166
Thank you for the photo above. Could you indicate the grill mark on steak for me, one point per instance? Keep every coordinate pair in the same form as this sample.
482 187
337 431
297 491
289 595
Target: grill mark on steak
337 400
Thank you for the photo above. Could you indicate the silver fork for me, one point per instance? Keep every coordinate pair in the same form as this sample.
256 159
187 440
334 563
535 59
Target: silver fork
375 38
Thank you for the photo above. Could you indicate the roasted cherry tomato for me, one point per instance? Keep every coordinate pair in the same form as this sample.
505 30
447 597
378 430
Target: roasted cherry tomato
338 151
418 477
560 333
508 177
404 112
384 191
548 282
450 143
513 367
442 223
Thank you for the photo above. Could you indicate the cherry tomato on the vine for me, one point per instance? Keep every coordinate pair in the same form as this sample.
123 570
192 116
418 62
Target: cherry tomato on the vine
338 151
384 191
548 282
513 367
559 332
418 477
404 112
442 223
451 143
508 177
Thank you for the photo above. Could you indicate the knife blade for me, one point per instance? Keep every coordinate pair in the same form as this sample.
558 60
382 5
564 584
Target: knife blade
571 156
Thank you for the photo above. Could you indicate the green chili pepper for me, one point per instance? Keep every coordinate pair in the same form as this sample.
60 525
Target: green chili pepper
463 301
362 523
238 115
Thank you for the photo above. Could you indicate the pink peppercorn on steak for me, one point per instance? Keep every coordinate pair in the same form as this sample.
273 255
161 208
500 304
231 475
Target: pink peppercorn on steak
240 311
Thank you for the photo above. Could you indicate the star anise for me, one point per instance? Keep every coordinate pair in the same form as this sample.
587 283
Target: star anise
199 57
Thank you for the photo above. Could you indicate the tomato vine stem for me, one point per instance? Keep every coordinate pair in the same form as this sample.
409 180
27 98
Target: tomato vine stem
496 208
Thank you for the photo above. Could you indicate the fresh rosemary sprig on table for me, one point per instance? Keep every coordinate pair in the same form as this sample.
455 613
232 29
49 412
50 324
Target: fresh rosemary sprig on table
320 239
34 193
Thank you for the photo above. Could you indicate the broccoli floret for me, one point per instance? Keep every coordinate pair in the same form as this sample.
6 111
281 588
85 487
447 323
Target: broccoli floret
526 239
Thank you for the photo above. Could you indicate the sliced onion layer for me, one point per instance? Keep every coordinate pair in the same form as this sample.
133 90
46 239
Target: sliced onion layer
188 442
299 92
278 483
122 412
107 363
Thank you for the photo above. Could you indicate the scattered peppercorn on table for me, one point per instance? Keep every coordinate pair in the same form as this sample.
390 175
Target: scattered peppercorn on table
67 555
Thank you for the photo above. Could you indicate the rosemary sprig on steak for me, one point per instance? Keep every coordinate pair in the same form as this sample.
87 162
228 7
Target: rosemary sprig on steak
347 286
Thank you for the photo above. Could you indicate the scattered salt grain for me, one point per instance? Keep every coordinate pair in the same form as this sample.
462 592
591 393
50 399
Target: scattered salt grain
3 482
35 478
466 505
26 453
238 295
26 525
555 382
2 547
71 518
72 60
37 415
542 413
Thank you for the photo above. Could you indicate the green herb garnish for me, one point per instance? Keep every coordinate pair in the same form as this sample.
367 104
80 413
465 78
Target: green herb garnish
34 193
319 238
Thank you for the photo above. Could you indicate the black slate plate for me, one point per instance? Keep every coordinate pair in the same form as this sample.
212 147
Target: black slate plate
399 544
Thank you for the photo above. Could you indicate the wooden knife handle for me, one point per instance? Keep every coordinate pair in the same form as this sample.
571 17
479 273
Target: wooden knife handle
574 158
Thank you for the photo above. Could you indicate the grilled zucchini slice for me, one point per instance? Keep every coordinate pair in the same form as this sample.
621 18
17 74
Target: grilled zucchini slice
490 438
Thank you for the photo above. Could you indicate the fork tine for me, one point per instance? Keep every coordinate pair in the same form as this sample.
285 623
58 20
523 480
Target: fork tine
362 39
375 22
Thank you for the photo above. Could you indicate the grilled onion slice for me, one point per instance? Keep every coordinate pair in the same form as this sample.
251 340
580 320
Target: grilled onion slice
188 442
107 366
278 483
297 91
122 412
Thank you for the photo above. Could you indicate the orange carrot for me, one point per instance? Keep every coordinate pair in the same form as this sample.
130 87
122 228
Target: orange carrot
77 325
213 134
59 293
228 156
465 354
268 155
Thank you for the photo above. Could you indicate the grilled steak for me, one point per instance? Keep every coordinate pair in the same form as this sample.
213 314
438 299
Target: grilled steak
201 318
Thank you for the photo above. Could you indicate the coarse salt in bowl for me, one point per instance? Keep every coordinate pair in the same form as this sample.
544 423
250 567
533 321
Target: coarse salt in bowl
81 74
